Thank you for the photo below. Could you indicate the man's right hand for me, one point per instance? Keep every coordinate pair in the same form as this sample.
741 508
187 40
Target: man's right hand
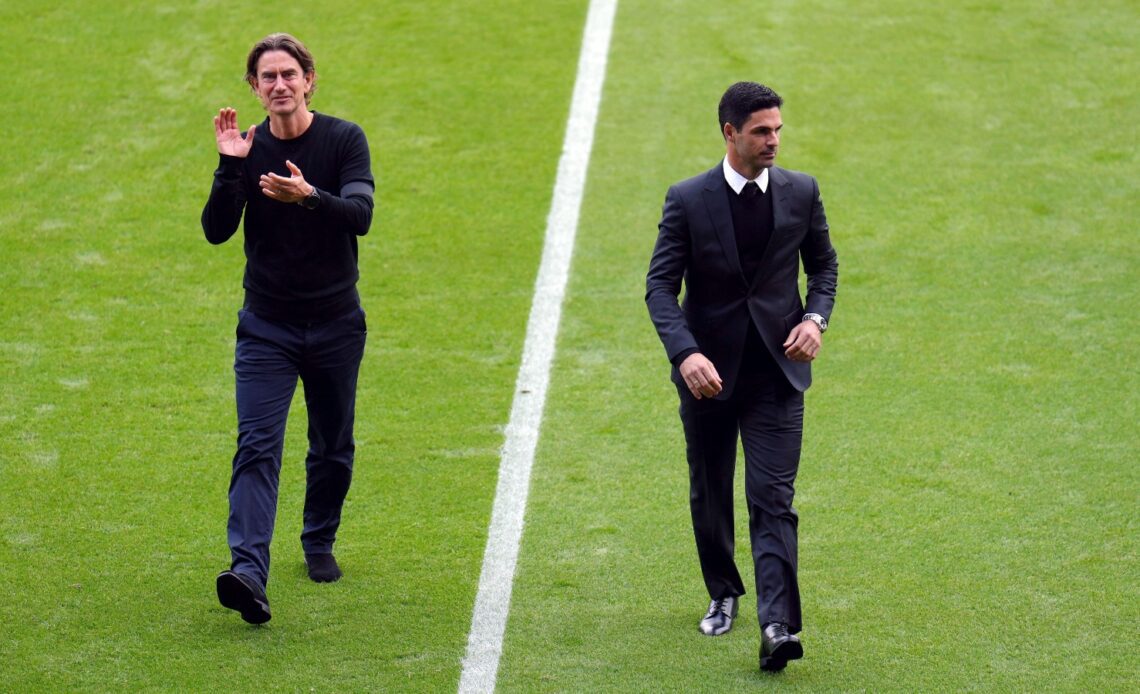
700 376
230 141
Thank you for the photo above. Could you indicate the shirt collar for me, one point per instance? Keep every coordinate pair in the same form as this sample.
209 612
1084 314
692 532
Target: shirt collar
736 181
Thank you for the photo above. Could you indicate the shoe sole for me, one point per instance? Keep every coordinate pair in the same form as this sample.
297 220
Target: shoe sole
779 660
235 595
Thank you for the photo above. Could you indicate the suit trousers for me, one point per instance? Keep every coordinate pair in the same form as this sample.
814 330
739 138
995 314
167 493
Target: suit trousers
269 359
766 413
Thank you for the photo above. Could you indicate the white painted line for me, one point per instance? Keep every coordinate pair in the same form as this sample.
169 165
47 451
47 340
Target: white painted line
493 600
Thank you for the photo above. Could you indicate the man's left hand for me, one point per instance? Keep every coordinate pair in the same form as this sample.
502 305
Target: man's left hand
803 342
293 189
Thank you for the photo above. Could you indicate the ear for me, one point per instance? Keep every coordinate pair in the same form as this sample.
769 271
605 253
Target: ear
729 132
310 80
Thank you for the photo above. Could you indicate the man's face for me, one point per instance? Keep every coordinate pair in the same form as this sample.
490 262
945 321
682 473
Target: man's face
281 84
754 146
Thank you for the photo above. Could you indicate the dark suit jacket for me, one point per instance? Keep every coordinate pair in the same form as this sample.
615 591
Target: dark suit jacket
696 242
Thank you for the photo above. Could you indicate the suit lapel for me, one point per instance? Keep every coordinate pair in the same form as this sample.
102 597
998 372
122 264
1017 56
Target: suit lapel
716 202
780 186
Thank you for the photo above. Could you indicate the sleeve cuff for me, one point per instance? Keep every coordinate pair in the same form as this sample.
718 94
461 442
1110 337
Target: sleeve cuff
228 166
683 355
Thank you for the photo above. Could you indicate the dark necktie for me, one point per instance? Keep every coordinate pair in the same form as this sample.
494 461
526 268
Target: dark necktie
751 191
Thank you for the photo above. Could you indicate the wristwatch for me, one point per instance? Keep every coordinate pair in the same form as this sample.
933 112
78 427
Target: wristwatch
818 320
312 200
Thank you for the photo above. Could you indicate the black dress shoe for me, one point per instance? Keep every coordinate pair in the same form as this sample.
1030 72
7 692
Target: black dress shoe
323 568
718 620
778 646
241 593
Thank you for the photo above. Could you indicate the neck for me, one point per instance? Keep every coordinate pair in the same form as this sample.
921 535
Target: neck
737 166
293 125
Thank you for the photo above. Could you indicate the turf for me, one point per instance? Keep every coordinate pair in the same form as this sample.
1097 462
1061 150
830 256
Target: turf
969 484
117 416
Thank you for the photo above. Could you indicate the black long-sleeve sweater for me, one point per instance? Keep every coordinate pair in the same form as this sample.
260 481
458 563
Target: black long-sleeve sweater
301 265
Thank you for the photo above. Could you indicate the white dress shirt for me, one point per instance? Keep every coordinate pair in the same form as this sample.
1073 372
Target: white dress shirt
736 181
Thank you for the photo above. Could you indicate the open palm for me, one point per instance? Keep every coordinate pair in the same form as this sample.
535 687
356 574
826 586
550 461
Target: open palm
230 141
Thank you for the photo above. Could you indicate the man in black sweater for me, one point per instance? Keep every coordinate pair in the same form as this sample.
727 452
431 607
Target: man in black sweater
304 182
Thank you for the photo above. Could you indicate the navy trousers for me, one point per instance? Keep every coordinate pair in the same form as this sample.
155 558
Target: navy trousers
766 412
269 359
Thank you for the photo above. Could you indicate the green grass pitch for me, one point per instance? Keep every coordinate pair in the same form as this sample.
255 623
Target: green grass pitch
969 489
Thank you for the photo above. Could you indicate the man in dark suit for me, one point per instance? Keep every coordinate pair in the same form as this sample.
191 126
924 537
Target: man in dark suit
741 344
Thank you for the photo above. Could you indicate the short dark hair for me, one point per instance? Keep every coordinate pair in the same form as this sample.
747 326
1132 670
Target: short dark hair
281 42
741 100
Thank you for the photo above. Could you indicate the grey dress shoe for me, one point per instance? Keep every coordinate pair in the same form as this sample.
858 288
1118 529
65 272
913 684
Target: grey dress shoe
718 620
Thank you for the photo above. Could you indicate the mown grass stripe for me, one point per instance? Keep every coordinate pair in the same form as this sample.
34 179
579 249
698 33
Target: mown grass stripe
492 601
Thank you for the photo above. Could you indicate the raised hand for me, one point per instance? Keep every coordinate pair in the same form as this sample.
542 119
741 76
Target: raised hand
230 141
